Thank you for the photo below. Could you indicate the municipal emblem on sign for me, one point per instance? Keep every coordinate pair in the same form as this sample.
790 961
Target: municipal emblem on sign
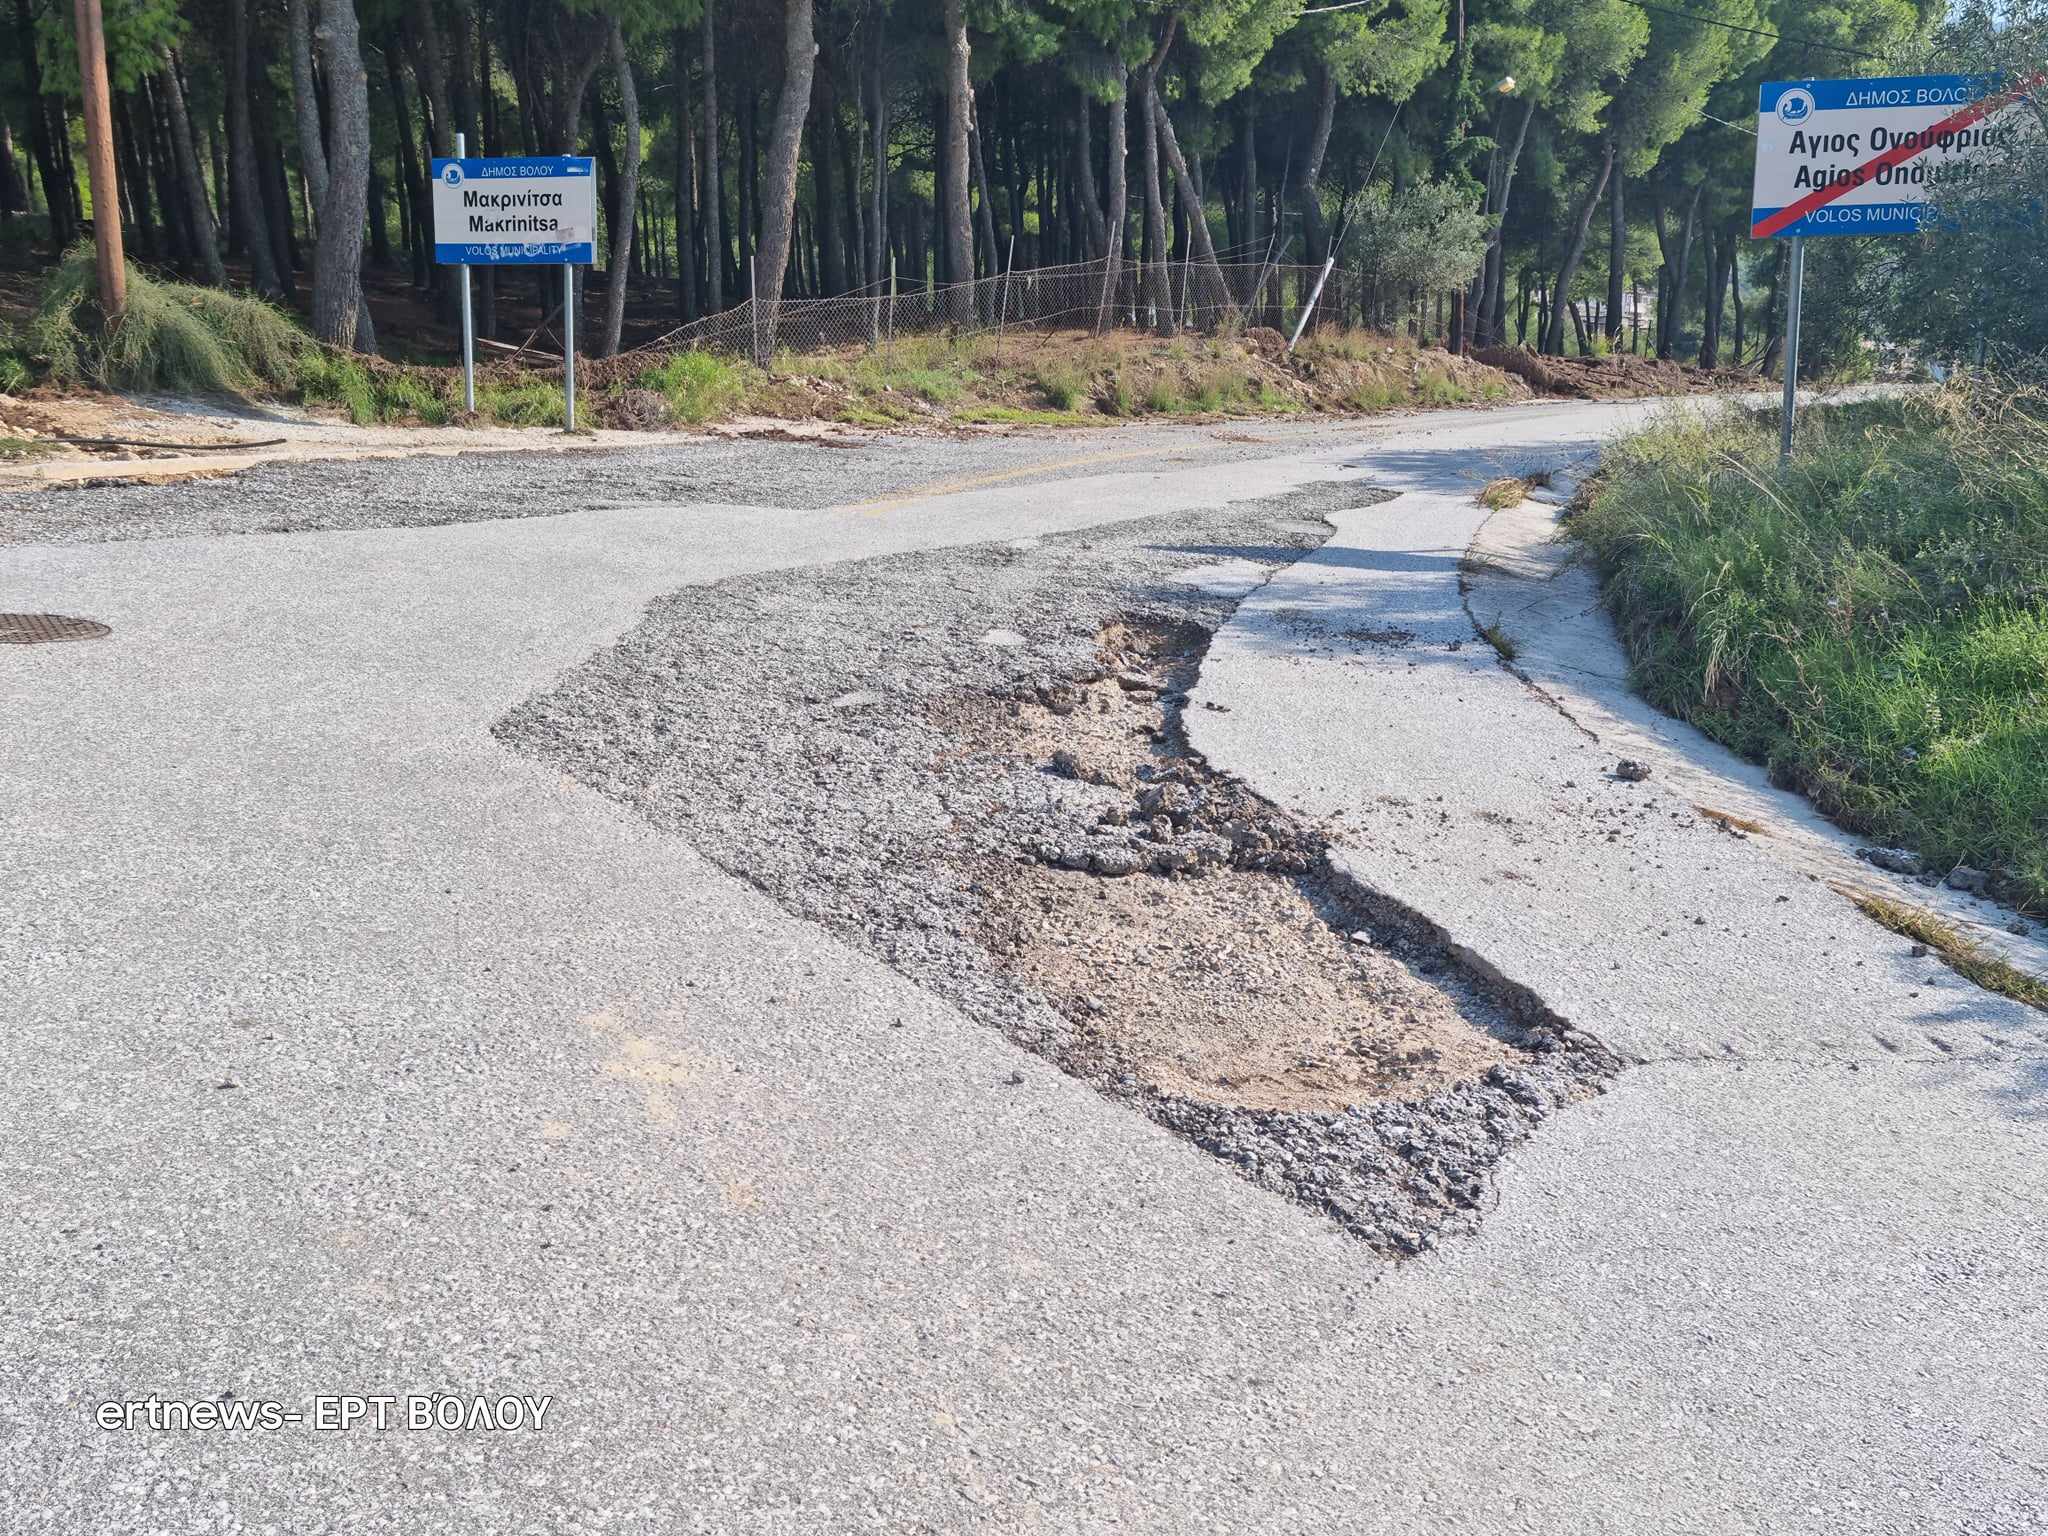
1795 106
451 174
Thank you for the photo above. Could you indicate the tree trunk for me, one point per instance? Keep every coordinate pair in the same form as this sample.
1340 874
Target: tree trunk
985 214
712 206
1617 255
42 142
1582 223
749 211
1667 326
825 111
621 254
188 173
1312 170
878 218
954 216
685 177
1493 322
1223 309
339 314
306 103
1159 291
248 201
411 174
1119 183
799 58
1084 177
277 197
13 195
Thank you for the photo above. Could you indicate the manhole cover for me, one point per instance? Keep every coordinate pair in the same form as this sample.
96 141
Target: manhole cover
40 628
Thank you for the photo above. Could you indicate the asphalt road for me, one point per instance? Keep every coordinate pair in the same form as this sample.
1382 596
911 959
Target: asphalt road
353 1053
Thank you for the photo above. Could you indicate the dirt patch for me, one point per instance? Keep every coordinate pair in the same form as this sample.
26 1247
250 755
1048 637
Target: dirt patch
1201 951
1618 376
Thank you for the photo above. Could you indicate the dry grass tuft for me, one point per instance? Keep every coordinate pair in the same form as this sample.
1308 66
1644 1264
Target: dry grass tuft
1962 954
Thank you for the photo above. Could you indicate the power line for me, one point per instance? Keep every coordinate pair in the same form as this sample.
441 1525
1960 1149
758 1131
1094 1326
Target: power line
1729 26
1663 10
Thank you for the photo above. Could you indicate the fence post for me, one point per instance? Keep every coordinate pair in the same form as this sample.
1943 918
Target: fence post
753 312
889 351
1108 266
1003 313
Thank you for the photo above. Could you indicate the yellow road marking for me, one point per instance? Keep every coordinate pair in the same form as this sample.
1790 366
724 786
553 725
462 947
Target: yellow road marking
951 487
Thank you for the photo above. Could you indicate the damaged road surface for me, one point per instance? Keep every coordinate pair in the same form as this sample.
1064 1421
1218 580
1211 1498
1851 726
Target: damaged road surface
972 763
1056 988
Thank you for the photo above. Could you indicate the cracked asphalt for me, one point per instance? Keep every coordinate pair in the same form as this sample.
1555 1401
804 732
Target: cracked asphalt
351 1052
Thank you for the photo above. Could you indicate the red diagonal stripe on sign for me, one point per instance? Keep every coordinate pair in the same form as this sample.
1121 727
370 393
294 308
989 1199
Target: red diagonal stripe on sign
1898 154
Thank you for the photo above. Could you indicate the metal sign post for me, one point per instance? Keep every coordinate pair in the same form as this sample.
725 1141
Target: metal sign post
1792 352
1857 157
468 325
568 346
535 211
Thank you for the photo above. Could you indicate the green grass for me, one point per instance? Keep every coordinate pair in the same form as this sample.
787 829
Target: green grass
1065 388
15 373
1435 387
699 386
1871 623
1375 395
1500 640
985 415
1221 389
173 336
1163 398
1120 394
370 396
530 403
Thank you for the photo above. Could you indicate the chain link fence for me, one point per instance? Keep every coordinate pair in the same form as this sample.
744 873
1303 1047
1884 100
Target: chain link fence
1099 296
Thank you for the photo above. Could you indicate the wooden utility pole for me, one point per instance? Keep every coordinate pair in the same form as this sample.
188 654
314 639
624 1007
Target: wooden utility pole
99 161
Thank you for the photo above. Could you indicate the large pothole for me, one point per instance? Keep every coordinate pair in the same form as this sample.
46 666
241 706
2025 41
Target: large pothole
971 762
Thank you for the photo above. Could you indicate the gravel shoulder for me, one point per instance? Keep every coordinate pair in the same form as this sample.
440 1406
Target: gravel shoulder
455 476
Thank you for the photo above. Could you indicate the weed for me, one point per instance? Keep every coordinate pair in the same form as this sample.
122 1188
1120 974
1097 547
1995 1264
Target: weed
1019 416
1374 395
1162 398
1508 491
1435 387
1065 388
1962 954
1500 640
408 396
699 386
15 373
1119 395
530 403
333 378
